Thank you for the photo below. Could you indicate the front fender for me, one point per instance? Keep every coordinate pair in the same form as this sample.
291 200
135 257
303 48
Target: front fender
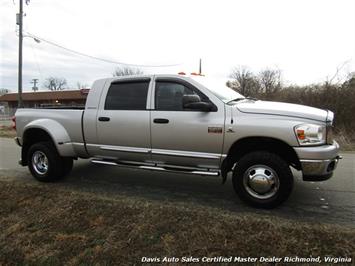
58 134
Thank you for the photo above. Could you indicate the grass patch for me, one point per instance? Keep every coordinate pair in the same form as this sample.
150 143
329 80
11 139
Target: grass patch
7 131
52 226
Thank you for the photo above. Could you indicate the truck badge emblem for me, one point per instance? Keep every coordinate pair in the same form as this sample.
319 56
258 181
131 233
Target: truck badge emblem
217 130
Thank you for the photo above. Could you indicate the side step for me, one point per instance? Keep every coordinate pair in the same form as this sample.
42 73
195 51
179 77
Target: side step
157 168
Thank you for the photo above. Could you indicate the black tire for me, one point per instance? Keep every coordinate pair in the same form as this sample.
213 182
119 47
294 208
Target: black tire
45 163
262 179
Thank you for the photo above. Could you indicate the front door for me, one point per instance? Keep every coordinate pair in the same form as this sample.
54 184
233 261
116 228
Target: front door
183 137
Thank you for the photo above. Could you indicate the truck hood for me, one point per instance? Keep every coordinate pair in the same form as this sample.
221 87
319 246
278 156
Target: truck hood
283 109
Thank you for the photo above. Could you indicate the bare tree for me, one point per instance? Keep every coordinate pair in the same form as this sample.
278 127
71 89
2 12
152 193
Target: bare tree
270 81
244 81
127 71
337 75
81 85
55 83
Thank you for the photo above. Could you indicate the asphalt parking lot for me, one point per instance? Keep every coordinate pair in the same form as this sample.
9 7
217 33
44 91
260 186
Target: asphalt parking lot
331 201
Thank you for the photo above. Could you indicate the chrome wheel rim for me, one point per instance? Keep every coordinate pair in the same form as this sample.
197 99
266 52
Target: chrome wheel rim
261 181
40 162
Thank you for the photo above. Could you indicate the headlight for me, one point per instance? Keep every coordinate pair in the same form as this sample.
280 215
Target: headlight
310 134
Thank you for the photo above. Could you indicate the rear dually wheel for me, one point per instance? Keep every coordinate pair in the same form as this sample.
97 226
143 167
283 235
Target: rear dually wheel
45 163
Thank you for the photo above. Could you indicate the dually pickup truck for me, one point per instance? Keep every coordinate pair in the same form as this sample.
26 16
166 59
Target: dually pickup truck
184 124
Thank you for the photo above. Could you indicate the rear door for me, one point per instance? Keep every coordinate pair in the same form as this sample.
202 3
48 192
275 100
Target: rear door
184 137
123 121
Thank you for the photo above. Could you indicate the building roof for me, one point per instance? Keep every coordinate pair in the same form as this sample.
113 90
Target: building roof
47 95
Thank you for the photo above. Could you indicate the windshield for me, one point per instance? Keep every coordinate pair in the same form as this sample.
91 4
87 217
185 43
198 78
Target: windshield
219 88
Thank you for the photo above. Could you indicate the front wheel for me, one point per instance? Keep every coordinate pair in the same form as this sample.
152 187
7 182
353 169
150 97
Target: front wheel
45 163
262 179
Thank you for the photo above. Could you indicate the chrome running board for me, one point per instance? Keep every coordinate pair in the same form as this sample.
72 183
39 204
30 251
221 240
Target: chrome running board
161 168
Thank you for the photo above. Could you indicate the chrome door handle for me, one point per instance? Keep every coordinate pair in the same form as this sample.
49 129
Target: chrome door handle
161 121
104 119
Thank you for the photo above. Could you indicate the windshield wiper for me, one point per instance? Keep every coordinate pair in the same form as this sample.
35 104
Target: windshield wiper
244 98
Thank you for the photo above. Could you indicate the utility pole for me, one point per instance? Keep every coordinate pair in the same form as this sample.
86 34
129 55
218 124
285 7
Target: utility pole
200 67
34 82
19 19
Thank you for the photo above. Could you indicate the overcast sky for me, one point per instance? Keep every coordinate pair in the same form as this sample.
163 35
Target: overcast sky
306 39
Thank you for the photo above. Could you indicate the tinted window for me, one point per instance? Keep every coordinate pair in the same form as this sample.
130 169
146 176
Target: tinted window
127 96
168 96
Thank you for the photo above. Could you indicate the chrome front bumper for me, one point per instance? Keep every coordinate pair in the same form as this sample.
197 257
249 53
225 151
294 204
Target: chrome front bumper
319 170
318 163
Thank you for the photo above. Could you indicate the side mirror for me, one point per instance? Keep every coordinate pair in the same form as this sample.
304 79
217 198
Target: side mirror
200 106
190 98
194 102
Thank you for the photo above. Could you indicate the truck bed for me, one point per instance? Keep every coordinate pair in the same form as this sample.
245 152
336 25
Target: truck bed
69 119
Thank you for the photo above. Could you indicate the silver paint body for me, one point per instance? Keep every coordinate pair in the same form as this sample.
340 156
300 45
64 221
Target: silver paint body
131 136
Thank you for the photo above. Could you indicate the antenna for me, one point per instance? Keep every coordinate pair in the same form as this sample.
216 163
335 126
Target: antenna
200 67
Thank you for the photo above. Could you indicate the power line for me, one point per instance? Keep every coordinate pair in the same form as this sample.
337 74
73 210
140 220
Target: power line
95 57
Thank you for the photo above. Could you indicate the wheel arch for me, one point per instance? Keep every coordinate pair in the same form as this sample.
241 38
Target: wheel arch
46 130
249 144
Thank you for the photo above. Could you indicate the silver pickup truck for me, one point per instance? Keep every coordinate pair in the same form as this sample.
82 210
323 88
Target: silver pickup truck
184 124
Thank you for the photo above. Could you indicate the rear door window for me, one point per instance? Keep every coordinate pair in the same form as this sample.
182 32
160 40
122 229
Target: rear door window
131 95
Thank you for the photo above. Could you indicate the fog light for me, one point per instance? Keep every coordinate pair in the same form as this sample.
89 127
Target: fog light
331 166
